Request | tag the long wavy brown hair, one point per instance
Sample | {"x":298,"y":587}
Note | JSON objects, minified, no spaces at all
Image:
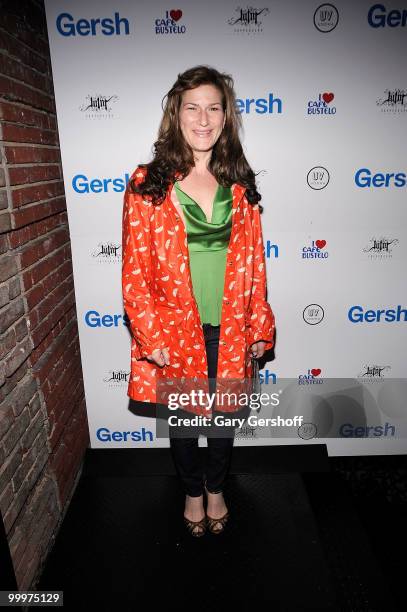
{"x":173,"y":154}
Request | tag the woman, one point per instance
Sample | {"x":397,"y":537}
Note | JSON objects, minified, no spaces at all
{"x":193,"y":275}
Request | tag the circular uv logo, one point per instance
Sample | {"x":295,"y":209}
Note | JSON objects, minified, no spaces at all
{"x":313,"y":314}
{"x":306,"y":431}
{"x":326,"y":18}
{"x":318,"y":177}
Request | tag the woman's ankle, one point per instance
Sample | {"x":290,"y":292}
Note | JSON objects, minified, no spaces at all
{"x":195,"y":495}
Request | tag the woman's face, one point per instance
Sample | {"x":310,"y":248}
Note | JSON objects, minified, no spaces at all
{"x":202,"y":117}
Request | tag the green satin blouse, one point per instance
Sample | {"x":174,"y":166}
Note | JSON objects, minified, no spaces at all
{"x":207,"y":245}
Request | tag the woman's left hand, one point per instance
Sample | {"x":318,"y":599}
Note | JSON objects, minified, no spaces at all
{"x":257,"y":349}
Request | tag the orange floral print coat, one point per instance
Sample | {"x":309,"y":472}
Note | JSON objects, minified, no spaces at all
{"x":159,"y":301}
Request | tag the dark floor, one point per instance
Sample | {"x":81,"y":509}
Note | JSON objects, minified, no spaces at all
{"x":299,"y":537}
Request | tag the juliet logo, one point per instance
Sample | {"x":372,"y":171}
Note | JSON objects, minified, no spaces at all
{"x":117,"y":378}
{"x":381,"y":247}
{"x":315,"y":250}
{"x":246,"y":432}
{"x":98,"y":106}
{"x":322,"y":105}
{"x":393,"y":101}
{"x":169,"y":24}
{"x":373,"y":372}
{"x":107,"y":252}
{"x":248,"y":20}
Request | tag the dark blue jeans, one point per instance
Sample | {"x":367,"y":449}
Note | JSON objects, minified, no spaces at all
{"x":185,"y":450}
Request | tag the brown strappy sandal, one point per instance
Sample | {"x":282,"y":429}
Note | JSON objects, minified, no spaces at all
{"x":213,"y":522}
{"x":196,"y":528}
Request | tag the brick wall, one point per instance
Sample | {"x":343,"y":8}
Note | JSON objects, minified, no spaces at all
{"x":43,"y":424}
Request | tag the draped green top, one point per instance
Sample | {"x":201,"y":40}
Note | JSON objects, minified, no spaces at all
{"x":207,"y":245}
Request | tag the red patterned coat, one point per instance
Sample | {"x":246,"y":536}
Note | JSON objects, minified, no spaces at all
{"x":158,"y":294}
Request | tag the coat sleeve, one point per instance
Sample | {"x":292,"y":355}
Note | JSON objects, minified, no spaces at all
{"x":137,"y":276}
{"x":260,"y":321}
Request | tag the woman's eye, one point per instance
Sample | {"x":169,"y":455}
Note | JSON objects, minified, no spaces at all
{"x":216,"y":108}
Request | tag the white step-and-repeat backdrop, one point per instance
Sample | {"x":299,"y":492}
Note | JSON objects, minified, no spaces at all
{"x":323,"y":93}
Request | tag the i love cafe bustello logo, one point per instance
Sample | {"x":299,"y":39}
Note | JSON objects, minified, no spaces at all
{"x":170,"y":23}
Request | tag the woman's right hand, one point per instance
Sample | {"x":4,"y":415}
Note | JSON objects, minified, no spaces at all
{"x":160,"y":357}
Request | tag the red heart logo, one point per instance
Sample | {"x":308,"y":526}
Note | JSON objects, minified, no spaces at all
{"x":316,"y":371}
{"x":327,"y":97}
{"x":176,"y":14}
{"x":320,"y":243}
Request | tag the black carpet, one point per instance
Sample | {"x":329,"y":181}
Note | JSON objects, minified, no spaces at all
{"x":296,"y":539}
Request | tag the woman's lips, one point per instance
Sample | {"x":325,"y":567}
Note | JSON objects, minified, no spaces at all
{"x":203,"y":134}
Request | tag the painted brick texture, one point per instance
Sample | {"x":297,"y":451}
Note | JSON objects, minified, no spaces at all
{"x":43,"y":422}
